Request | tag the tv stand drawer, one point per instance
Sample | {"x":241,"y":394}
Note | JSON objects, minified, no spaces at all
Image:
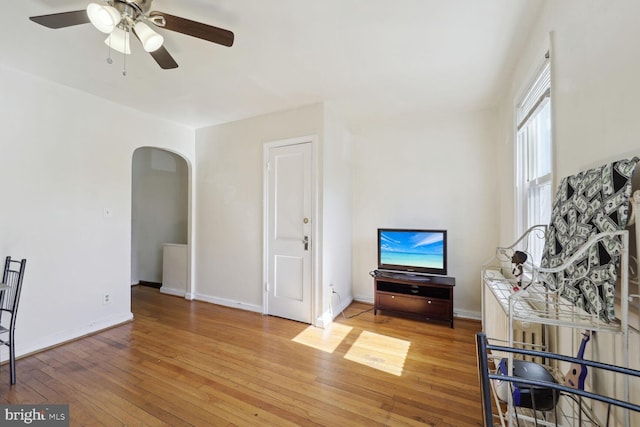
{"x":428,"y":307}
{"x":426,"y":297}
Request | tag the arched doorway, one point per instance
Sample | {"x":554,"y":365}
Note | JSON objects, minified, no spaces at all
{"x":160,"y":219}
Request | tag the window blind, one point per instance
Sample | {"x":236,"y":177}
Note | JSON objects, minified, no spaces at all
{"x":538,"y":91}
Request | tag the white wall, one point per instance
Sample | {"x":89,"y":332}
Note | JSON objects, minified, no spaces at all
{"x":428,"y":172}
{"x":595,"y":94}
{"x":594,"y":84}
{"x":159,"y":209}
{"x":229,"y":202}
{"x":66,"y":156}
{"x":230,"y":212}
{"x":596,"y":72}
{"x":336,"y":215}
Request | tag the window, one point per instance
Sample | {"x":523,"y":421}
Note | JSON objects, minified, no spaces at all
{"x":533,"y":159}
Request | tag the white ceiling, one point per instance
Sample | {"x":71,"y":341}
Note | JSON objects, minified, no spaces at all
{"x":370,"y":58}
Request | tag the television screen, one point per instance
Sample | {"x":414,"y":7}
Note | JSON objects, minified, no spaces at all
{"x":419,"y":251}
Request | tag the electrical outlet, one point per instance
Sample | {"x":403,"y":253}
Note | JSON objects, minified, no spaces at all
{"x":106,"y":298}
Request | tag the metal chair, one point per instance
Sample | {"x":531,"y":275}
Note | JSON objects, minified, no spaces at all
{"x":9,"y":297}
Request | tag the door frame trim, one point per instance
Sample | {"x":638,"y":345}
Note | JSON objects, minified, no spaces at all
{"x":315,"y":230}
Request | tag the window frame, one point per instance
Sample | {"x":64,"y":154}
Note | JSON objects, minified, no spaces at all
{"x":530,"y":105}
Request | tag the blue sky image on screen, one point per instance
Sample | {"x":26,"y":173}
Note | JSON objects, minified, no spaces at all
{"x":412,"y":248}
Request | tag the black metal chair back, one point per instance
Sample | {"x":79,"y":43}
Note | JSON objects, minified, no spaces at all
{"x":9,"y":297}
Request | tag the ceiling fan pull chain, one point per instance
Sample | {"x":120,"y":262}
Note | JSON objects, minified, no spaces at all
{"x":124,"y":55}
{"x":109,"y":59}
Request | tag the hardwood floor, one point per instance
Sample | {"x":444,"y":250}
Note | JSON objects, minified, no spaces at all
{"x":182,"y":363}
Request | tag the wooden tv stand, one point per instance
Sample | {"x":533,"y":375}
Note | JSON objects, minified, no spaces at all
{"x":427,"y":297}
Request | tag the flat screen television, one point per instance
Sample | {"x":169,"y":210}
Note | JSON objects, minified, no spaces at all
{"x":412,"y":251}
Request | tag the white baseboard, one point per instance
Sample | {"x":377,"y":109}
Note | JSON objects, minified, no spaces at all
{"x":323,"y":320}
{"x":366,"y":300}
{"x":342,"y":305}
{"x":326,"y":318}
{"x":47,"y":341}
{"x":172,"y":291}
{"x":228,"y":302}
{"x":467,"y":314}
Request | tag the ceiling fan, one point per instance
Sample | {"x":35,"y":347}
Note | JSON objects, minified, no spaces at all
{"x":120,"y":18}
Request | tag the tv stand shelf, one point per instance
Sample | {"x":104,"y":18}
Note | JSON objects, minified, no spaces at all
{"x":427,"y":297}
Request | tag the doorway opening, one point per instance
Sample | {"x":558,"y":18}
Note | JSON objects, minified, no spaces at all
{"x":160,"y":250}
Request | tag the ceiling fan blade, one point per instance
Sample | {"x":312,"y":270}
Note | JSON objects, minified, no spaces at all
{"x":195,"y":29}
{"x":164,"y":58}
{"x":62,"y":20}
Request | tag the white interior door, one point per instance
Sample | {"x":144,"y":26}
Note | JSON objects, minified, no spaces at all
{"x":289,"y":225}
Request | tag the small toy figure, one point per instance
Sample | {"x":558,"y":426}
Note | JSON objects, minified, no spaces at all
{"x":518,"y":259}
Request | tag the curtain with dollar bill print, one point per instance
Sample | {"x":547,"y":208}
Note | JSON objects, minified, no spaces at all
{"x":585,"y":204}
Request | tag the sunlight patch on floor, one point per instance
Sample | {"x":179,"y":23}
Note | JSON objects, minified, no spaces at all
{"x":379,"y":352}
{"x":327,"y":339}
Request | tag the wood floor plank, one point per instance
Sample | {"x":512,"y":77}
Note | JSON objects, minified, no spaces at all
{"x":189,"y":363}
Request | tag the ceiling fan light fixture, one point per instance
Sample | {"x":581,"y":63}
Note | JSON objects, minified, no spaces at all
{"x":104,"y":18}
{"x":151,"y":41}
{"x":119,"y":40}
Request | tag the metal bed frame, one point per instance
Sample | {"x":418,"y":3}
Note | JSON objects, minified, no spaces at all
{"x":536,"y":303}
{"x":487,"y":376}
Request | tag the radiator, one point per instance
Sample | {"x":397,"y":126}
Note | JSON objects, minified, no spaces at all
{"x":496,"y":325}
{"x":529,"y":336}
